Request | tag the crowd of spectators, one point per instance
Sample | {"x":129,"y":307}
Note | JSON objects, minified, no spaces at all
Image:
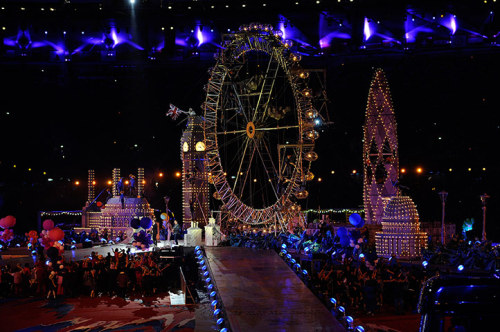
{"x":119,"y":273}
{"x":353,"y":274}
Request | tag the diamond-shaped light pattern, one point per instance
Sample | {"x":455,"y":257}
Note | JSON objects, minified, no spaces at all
{"x":380,"y":150}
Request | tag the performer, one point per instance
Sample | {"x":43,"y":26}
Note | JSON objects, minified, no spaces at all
{"x":156,"y":232}
{"x":119,"y":185}
{"x":132,"y":186}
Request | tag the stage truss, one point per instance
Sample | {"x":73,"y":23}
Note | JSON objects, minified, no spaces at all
{"x":259,"y":127}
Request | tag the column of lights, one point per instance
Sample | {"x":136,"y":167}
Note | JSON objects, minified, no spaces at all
{"x":91,"y":185}
{"x":116,"y":178}
{"x":140,"y":182}
{"x":379,"y":114}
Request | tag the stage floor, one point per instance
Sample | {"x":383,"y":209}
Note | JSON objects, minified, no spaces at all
{"x":261,"y":293}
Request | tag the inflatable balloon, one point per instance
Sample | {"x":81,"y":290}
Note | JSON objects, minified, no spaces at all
{"x":146,"y":222}
{"x":356,"y":220}
{"x":48,"y":224}
{"x":56,"y":234}
{"x":7,"y":222}
{"x":344,"y":240}
{"x":32,"y":236}
{"x":7,"y":235}
{"x":341,"y":231}
{"x":163,"y":216}
{"x":135,"y":223}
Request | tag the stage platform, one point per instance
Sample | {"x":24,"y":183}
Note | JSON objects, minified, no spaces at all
{"x":261,"y":293}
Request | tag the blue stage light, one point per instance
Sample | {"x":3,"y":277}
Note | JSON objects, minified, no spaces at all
{"x":288,"y":256}
{"x":220,"y":321}
{"x":293,"y":261}
{"x":283,"y":246}
{"x":33,"y":252}
{"x":214,"y":303}
{"x":213,"y":294}
{"x":341,"y":309}
{"x":223,"y":330}
{"x":208,"y":280}
{"x":202,"y":262}
{"x":425,"y":263}
{"x":297,"y":266}
{"x":333,"y":301}
{"x":204,"y":267}
{"x":210,"y":287}
{"x":349,"y":320}
{"x":197,"y":248}
{"x":205,"y":274}
{"x":216,"y":312}
{"x":360,"y":328}
{"x":460,"y":268}
{"x":361,"y":255}
{"x":304,"y":272}
{"x":283,"y":251}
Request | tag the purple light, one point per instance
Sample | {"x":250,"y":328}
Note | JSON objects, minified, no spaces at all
{"x":453,"y":24}
{"x":367,"y":31}
{"x":199,"y":35}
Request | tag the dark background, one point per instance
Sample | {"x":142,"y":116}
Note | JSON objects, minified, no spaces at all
{"x":108,"y":114}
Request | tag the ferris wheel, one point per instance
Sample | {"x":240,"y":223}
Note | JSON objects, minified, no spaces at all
{"x":259,"y":126}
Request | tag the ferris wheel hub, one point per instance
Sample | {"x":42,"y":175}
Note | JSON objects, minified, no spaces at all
{"x":250,"y":129}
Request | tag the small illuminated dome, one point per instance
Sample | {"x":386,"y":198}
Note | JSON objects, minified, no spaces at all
{"x":400,"y":236}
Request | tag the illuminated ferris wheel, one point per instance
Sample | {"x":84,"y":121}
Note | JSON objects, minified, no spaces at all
{"x":259,"y":127}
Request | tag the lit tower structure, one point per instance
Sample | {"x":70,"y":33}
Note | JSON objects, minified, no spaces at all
{"x":195,"y":187}
{"x":380,"y":150}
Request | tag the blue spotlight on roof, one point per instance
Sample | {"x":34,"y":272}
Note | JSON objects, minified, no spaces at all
{"x":304,"y":272}
{"x":283,"y":246}
{"x":283,"y":251}
{"x":361,"y":255}
{"x":220,"y":321}
{"x":205,"y":274}
{"x":210,"y":287}
{"x":197,"y":248}
{"x":333,"y":301}
{"x":202,"y":262}
{"x":349,"y":320}
{"x":216,"y":312}
{"x":33,"y":253}
{"x":293,"y":261}
{"x":297,"y":266}
{"x":341,"y":309}
{"x":425,"y":263}
{"x":204,"y":267}
{"x":208,"y":280}
{"x":213,"y":294}
{"x":288,"y":256}
{"x":460,"y":268}
{"x":360,"y":329}
{"x":214,"y":303}
{"x":223,"y":330}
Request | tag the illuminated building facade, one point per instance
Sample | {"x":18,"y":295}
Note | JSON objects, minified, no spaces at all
{"x":195,"y":187}
{"x":400,"y":236}
{"x":114,"y":215}
{"x":380,"y":150}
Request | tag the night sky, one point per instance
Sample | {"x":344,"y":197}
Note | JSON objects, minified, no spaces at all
{"x":60,"y":119}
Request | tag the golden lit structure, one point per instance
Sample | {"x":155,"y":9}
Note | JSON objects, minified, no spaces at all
{"x":114,"y":215}
{"x":400,"y":236}
{"x":259,"y":126}
{"x":380,"y":150}
{"x":195,"y":187}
